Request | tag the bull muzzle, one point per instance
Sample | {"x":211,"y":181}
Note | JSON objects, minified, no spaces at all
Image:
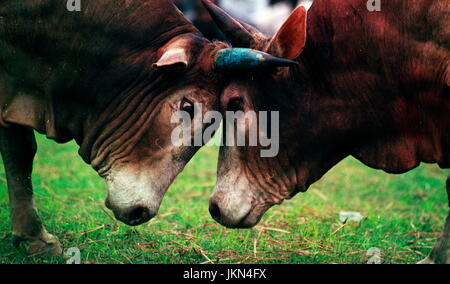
{"x":133,"y":216}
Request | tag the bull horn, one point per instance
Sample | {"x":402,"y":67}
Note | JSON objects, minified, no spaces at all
{"x":234,"y":31}
{"x":244,"y":58}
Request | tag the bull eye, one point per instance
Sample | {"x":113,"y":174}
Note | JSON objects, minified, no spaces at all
{"x":188,"y":106}
{"x":235,"y":104}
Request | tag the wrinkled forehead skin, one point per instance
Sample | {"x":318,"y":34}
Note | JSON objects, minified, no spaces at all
{"x":110,"y":77}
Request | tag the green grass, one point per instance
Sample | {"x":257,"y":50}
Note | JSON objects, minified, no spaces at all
{"x":404,"y":216}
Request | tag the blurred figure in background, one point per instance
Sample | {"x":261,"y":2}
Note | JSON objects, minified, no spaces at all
{"x":293,"y":3}
{"x":266,"y":15}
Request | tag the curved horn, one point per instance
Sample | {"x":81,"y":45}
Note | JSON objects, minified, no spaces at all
{"x":235,"y":32}
{"x":244,"y":58}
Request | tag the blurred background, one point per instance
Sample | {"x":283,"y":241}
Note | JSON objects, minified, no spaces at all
{"x":266,"y":15}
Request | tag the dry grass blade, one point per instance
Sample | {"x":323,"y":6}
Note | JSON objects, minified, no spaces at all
{"x":168,"y":214}
{"x":262,"y":228}
{"x":208,"y":260}
{"x":338,"y":229}
{"x":320,"y":195}
{"x":203,"y":252}
{"x":93,"y":230}
{"x":184,"y":235}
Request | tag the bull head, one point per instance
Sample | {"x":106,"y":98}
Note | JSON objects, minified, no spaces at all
{"x":245,"y":187}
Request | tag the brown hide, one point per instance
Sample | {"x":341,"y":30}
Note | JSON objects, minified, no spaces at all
{"x":397,"y":62}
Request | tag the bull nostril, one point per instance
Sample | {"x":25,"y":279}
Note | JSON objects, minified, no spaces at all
{"x":214,"y":210}
{"x":139,"y":216}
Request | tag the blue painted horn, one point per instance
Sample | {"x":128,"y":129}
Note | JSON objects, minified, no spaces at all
{"x":245,"y":58}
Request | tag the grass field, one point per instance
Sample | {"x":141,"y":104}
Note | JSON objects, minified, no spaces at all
{"x":403,"y":217}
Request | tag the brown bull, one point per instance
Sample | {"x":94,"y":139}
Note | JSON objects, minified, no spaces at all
{"x":109,"y":77}
{"x":373,"y":85}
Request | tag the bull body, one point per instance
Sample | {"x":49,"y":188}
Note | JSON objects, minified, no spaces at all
{"x":374,"y":85}
{"x":381,"y":81}
{"x":108,"y":77}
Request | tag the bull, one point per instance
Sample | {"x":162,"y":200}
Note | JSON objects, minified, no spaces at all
{"x":108,"y":77}
{"x":372,"y":85}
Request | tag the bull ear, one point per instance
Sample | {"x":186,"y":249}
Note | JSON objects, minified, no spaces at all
{"x":291,"y":38}
{"x":175,"y":56}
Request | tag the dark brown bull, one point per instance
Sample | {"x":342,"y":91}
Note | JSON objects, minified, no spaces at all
{"x":373,"y":85}
{"x":109,"y":77}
